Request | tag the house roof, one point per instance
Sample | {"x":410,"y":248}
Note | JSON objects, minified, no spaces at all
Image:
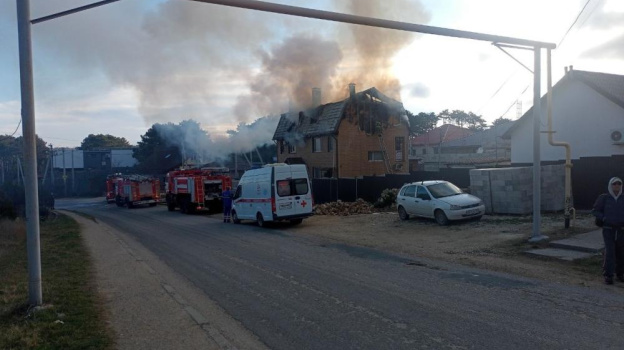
{"x":322,"y":120}
{"x":481,"y":138}
{"x":610,"y":86}
{"x":444,"y":133}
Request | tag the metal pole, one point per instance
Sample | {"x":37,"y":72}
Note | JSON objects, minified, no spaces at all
{"x":73,"y":175}
{"x":537,"y":168}
{"x":30,"y":152}
{"x":52,"y":167}
{"x":373,"y":22}
{"x":64,"y":175}
{"x":45,"y":172}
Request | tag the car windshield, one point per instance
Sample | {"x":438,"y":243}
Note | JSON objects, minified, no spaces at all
{"x":444,"y":189}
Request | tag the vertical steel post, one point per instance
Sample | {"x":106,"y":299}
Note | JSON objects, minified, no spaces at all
{"x":537,"y":167}
{"x":73,"y":175}
{"x":52,"y":168}
{"x":30,"y":152}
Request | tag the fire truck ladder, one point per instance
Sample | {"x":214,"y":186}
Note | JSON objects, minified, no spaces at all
{"x":384,"y":154}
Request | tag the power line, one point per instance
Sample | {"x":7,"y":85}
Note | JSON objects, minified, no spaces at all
{"x":18,"y":125}
{"x":573,"y":23}
{"x":558,"y":45}
{"x":497,"y":91}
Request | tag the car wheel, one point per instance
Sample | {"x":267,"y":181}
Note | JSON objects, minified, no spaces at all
{"x":296,"y":221}
{"x":440,"y":217}
{"x":235,"y":218}
{"x":403,"y":215}
{"x":260,"y":220}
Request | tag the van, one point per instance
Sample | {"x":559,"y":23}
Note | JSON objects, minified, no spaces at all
{"x":275,"y":192}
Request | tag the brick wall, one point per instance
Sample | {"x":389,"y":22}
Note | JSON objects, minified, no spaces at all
{"x":354,"y":145}
{"x":322,"y":159}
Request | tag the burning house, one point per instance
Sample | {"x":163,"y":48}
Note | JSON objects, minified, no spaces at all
{"x":365,"y":134}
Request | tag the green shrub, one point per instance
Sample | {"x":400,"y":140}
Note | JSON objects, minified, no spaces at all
{"x":387,"y":198}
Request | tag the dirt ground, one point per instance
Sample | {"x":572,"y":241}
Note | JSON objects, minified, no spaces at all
{"x":495,"y":242}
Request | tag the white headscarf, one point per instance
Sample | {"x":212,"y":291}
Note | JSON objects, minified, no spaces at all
{"x":614,"y":195}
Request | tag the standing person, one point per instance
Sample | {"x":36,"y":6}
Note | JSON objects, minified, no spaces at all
{"x":609,"y":208}
{"x":227,"y":204}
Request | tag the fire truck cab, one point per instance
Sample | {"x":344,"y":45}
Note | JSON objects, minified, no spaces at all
{"x":113,"y":187}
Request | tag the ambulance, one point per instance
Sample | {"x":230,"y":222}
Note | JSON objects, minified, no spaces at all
{"x":275,"y":192}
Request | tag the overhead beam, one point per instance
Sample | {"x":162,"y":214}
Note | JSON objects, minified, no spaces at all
{"x":375,"y":22}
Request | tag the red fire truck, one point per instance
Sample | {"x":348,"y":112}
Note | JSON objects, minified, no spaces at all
{"x":133,"y":190}
{"x":114,"y":183}
{"x":196,"y":189}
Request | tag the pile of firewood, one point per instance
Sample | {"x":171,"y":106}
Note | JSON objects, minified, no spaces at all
{"x":341,"y":208}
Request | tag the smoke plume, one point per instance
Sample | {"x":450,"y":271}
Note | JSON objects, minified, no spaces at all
{"x":223,"y":66}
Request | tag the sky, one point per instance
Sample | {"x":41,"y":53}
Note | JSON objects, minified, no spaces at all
{"x":120,"y":68}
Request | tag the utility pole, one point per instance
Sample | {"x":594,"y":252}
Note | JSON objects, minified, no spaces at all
{"x":30,"y":142}
{"x":73,"y":175}
{"x":52,"y":168}
{"x":64,"y":175}
{"x":30,"y":153}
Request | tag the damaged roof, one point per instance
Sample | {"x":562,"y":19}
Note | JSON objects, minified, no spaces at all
{"x":322,"y":120}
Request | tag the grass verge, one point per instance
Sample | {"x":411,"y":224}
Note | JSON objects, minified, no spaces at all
{"x":72,"y":316}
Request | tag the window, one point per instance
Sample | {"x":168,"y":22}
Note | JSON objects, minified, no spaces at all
{"x":292,"y":149}
{"x":398,"y":148}
{"x":281,"y":147}
{"x":409,"y":191}
{"x":300,"y":186}
{"x":238,"y":193}
{"x":422,"y":193}
{"x":292,"y":187}
{"x":424,"y":150}
{"x":283,"y":188}
{"x":316,"y":144}
{"x":375,"y":156}
{"x":318,"y":173}
{"x":330,"y":143}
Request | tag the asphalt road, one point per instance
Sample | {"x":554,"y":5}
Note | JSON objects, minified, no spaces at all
{"x":300,"y":292}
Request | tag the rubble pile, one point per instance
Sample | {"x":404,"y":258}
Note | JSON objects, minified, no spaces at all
{"x":341,"y":208}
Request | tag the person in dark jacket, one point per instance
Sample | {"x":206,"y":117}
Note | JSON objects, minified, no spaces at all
{"x":226,"y":196}
{"x":609,"y":208}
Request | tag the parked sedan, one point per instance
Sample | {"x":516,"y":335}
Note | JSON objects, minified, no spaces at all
{"x":439,"y":200}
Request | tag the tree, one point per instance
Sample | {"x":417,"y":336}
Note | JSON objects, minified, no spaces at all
{"x":12,"y":147}
{"x":501,"y":121}
{"x":153,"y":154}
{"x":422,"y":122}
{"x":463,"y":119}
{"x":103,"y":141}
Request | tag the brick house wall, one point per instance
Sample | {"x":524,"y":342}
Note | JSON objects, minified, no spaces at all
{"x":354,"y":146}
{"x":323,"y":159}
{"x":355,"y":125}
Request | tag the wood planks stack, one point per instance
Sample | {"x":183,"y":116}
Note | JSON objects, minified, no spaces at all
{"x":341,"y":208}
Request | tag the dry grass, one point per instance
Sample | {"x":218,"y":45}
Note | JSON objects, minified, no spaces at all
{"x":72,"y":316}
{"x":12,"y":234}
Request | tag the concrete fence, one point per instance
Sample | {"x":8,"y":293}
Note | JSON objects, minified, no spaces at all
{"x":510,"y":190}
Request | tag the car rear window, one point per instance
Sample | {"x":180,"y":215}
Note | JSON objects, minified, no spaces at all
{"x":292,"y":187}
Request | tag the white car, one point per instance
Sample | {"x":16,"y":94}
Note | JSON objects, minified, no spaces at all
{"x":439,"y":200}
